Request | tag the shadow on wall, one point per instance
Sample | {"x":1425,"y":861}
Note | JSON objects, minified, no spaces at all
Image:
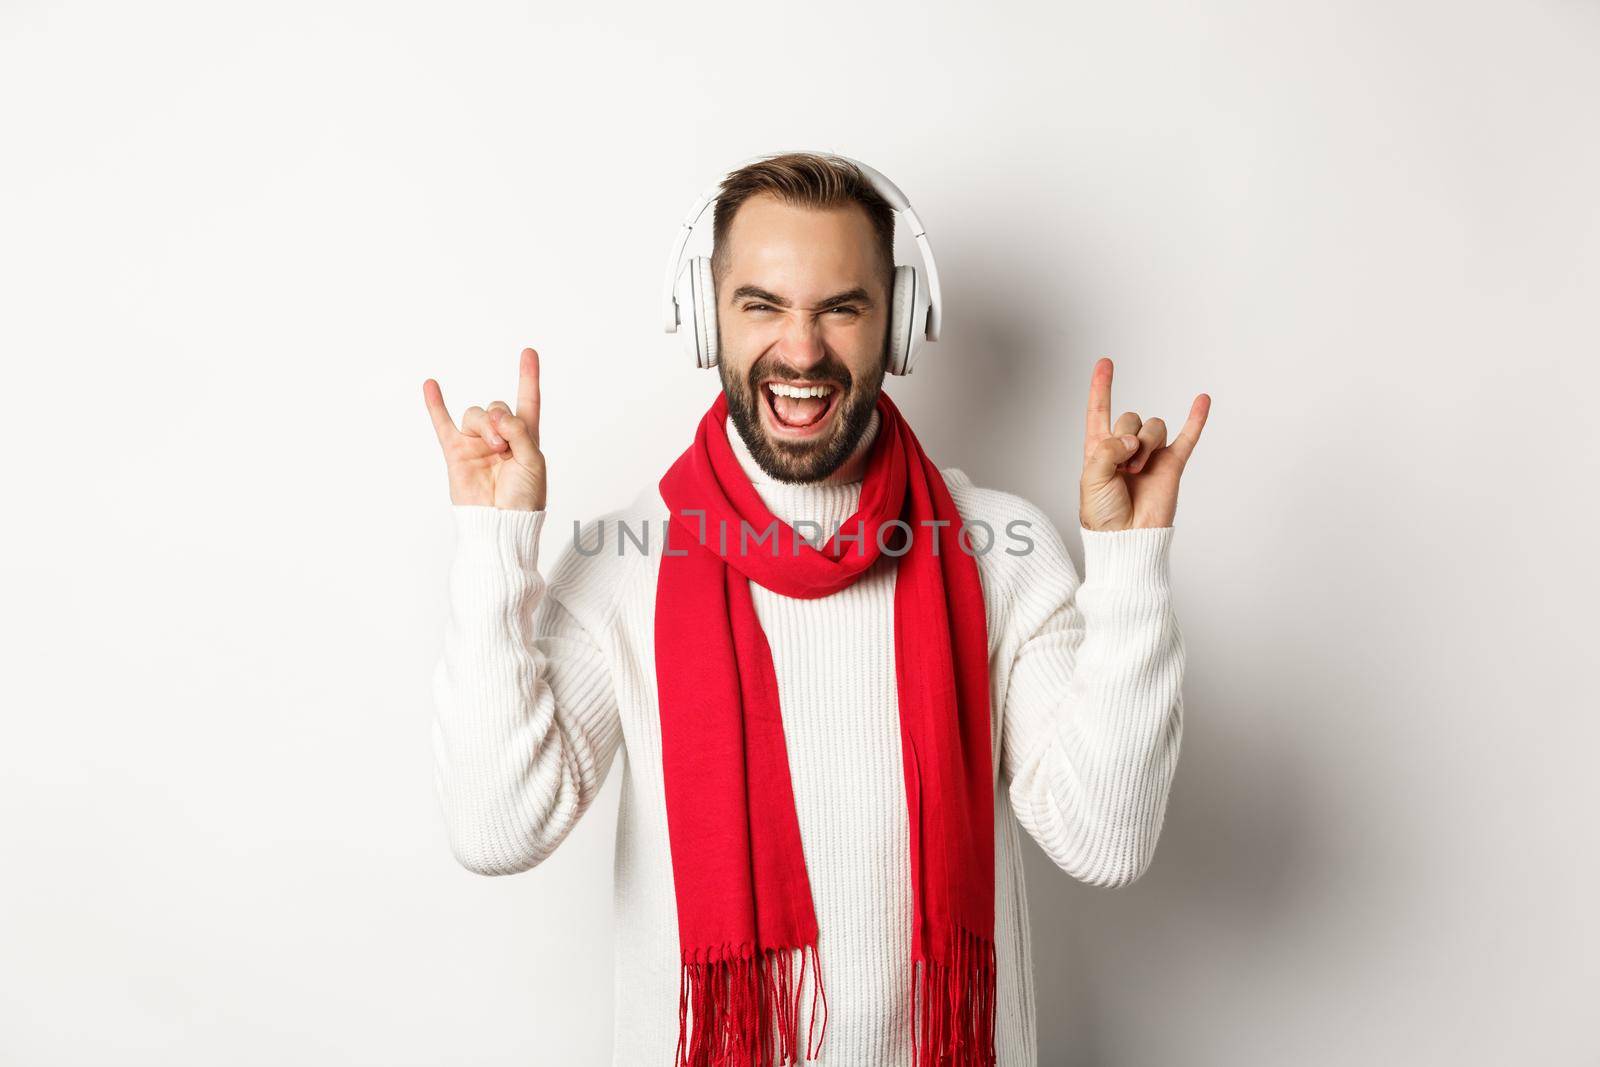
{"x":966,"y":385}
{"x":1121,"y":973}
{"x":991,"y":396}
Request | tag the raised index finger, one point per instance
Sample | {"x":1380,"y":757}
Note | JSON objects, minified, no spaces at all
{"x":1098,"y":424}
{"x":528,"y":391}
{"x":443,"y":425}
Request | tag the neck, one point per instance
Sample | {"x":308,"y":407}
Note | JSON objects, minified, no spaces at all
{"x":854,"y":468}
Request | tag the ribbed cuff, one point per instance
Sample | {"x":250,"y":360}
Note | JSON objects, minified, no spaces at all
{"x":500,"y":537}
{"x":1133,"y":560}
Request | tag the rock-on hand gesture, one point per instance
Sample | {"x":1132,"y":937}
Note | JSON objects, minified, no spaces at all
{"x":1130,"y":473}
{"x":494,"y":458}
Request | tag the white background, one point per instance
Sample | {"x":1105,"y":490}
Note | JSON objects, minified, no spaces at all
{"x":234,"y":242}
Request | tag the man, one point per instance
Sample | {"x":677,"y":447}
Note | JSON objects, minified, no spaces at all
{"x":826,"y":736}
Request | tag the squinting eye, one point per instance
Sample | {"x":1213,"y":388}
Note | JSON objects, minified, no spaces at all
{"x":764,"y":307}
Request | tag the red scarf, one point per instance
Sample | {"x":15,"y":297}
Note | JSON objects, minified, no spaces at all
{"x":744,"y":900}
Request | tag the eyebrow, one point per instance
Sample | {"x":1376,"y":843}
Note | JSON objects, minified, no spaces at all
{"x":857,"y":295}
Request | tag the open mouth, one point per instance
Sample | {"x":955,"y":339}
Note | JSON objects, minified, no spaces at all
{"x":800,"y":409}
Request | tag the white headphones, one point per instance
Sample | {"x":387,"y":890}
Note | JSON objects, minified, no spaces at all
{"x":913,"y":312}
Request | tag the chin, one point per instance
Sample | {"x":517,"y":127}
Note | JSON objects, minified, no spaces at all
{"x":809,"y":451}
{"x":800,"y":427}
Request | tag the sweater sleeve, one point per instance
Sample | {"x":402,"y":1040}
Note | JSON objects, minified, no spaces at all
{"x":525,"y":722}
{"x":1094,"y":707}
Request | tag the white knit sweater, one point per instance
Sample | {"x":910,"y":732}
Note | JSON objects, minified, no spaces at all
{"x":546,"y":674}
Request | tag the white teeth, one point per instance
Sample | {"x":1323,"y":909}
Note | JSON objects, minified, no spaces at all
{"x":799,"y":393}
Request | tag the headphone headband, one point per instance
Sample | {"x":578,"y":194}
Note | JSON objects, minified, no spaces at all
{"x":886,"y":189}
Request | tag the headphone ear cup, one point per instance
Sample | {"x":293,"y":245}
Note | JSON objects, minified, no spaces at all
{"x":696,"y":298}
{"x":687,"y":308}
{"x":902,"y":323}
{"x":705,"y":291}
{"x":920,"y":302}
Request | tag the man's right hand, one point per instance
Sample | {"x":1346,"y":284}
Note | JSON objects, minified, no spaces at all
{"x":494,"y":458}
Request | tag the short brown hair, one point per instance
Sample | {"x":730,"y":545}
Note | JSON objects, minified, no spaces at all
{"x":804,"y":179}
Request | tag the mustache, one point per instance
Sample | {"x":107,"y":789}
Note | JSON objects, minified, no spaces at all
{"x":830,"y":371}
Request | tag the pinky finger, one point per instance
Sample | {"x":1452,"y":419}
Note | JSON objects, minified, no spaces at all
{"x":1189,"y":436}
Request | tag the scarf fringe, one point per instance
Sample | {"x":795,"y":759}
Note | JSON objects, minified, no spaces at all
{"x":958,"y":1004}
{"x":741,"y":1002}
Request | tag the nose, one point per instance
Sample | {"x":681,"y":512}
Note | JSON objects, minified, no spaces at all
{"x":801,"y":344}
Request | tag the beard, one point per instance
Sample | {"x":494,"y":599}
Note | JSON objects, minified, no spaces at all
{"x":801,"y":461}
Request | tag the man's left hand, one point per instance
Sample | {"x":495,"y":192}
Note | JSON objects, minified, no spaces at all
{"x":1130,"y":472}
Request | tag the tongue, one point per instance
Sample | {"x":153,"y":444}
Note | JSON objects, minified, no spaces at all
{"x":799,"y":411}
